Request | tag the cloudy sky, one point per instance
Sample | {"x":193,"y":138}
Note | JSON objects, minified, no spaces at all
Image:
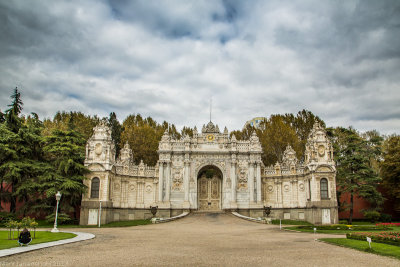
{"x":166,"y":59}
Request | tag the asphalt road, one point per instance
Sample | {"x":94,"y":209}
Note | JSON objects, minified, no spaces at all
{"x":198,"y":240}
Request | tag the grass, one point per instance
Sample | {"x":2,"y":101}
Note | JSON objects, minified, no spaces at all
{"x":41,"y":237}
{"x":377,"y":248}
{"x":291,"y":222}
{"x":45,"y":224}
{"x":394,"y":229}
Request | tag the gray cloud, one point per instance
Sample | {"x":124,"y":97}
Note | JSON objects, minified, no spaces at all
{"x":165,"y":59}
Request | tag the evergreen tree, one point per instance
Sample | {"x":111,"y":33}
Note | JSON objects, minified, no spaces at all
{"x":2,"y":117}
{"x":355,"y":175}
{"x":116,"y":130}
{"x":65,"y":151}
{"x":12,"y":114}
{"x":21,"y":160}
{"x":390,"y":169}
{"x":187,"y":131}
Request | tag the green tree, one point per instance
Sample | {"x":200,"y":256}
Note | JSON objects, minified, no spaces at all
{"x":302,"y":123}
{"x":116,"y":130}
{"x":13,"y":120}
{"x":187,"y":131}
{"x":143,"y":136}
{"x":275,"y":134}
{"x":355,"y":175}
{"x":65,"y":151}
{"x":2,"y":117}
{"x":390,"y":169}
{"x":245,"y":133}
{"x":78,"y":121}
{"x":21,"y":160}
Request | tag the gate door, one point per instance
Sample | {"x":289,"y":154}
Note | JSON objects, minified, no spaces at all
{"x":209,"y":192}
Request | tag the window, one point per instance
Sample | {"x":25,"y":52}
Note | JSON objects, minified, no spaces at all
{"x":324,"y":188}
{"x":94,"y":189}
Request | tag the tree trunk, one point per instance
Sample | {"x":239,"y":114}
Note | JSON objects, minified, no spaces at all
{"x":13,"y":200}
{"x":351,"y":208}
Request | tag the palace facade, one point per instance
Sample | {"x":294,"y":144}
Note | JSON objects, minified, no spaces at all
{"x":209,"y":172}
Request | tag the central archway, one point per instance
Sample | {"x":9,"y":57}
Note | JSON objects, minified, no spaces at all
{"x":209,"y":188}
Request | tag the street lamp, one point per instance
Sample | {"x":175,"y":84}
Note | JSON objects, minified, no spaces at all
{"x":58,"y":197}
{"x":100,"y":214}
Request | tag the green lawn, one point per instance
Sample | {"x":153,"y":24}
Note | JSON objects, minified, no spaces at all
{"x":41,"y":237}
{"x":291,"y":222}
{"x":44,"y":224}
{"x":393,"y":229}
{"x":377,"y":248}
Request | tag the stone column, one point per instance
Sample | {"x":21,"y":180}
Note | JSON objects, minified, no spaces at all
{"x":155,"y":182}
{"x":186,"y":181}
{"x":313,"y":188}
{"x":168,"y":182}
{"x":160,"y":181}
{"x":258,"y":180}
{"x":251,"y":182}
{"x":233,"y":181}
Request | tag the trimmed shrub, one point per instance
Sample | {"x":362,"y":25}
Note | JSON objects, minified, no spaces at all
{"x":61,"y":218}
{"x":386,"y":217}
{"x":372,"y":215}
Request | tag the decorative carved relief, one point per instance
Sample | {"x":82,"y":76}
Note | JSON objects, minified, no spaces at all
{"x":286,"y":188}
{"x":242,"y":179}
{"x":301,"y":187}
{"x":177,"y":180}
{"x":149,"y":189}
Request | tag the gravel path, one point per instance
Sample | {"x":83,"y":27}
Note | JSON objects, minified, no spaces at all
{"x":198,"y":240}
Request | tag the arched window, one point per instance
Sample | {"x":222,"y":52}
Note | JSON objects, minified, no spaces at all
{"x":324,"y":188}
{"x":94,"y":189}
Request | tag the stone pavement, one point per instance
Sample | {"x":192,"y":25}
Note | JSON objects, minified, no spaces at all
{"x":199,"y":240}
{"x":79,"y":237}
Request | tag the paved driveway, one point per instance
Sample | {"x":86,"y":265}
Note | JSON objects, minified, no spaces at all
{"x":198,"y":240}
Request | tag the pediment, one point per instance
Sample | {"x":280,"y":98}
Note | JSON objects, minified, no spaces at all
{"x":324,"y":169}
{"x":96,"y":167}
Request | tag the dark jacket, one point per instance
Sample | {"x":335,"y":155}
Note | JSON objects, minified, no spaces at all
{"x":25,"y":237}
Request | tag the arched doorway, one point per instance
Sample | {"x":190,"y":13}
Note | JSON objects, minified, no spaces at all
{"x":209,"y":188}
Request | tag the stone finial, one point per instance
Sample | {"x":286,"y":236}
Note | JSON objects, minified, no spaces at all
{"x":127,"y":146}
{"x":317,"y":125}
{"x":186,"y":138}
{"x":233,"y":138}
{"x":254,"y":137}
{"x":225,"y":130}
{"x":165,"y":137}
{"x":194,"y":130}
{"x":289,"y":156}
{"x":210,"y":128}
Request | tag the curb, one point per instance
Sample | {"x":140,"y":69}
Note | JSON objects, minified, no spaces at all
{"x":249,"y":218}
{"x":164,"y":220}
{"x":78,"y":238}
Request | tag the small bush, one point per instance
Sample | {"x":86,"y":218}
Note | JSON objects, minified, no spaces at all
{"x":372,"y":215}
{"x":386,"y":217}
{"x":343,"y":222}
{"x":347,"y":227}
{"x":5,"y":217}
{"x":62,"y":218}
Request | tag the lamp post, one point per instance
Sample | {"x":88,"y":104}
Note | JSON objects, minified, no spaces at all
{"x":58,"y":197}
{"x":100,"y":214}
